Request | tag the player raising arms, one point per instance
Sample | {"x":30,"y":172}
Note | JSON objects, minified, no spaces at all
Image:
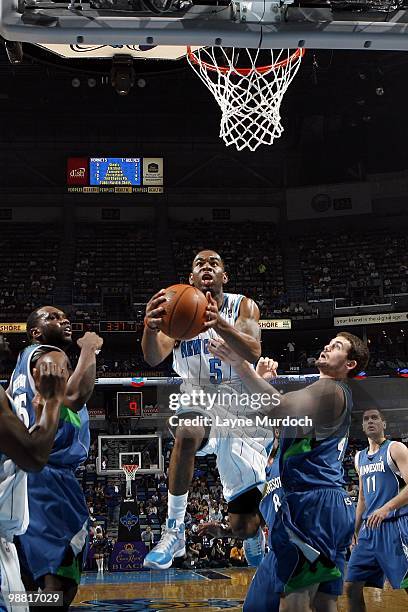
{"x":241,"y":464}
{"x":318,"y":517}
{"x":382,"y":514}
{"x":23,"y":451}
{"x":50,"y":551}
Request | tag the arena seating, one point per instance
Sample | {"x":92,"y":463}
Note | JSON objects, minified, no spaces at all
{"x":29,"y":267}
{"x":116,"y":261}
{"x":115,"y":267}
{"x":360,"y":266}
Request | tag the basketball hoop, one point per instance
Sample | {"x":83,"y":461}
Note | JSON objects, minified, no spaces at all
{"x":130,"y":470}
{"x":248,"y":85}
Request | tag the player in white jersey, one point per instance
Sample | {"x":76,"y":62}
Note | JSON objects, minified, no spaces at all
{"x":241,"y":456}
{"x":22,"y":451}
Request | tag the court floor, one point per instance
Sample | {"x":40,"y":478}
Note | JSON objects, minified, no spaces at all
{"x":156,"y":591}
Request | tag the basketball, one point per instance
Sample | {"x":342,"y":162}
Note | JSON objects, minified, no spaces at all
{"x":185,"y":312}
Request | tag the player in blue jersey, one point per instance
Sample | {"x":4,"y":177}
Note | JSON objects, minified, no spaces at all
{"x":381,"y":535}
{"x":263,"y":596}
{"x":23,"y":451}
{"x":241,"y":464}
{"x":50,"y":550}
{"x":318,"y":516}
{"x":264,"y":592}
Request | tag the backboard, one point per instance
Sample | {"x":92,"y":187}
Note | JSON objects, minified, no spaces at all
{"x":114,"y":451}
{"x":131,"y":458}
{"x":273,"y":24}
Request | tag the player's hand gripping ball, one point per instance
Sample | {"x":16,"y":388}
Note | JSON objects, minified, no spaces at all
{"x":184,"y":313}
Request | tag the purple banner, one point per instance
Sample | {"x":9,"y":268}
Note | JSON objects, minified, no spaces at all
{"x":127,"y":556}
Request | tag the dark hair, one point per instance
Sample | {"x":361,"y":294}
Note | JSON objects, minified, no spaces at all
{"x":32,"y":321}
{"x":358,"y":352}
{"x":380,"y":412}
{"x":212,"y":250}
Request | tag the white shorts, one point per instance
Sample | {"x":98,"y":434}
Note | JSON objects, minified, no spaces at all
{"x":11,"y":582}
{"x":241,"y":465}
{"x":242,"y":450}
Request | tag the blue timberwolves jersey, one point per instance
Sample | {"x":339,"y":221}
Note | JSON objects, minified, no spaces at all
{"x":315,"y":460}
{"x":381,"y":479}
{"x":273,"y":494}
{"x":72,"y":439}
{"x":193,"y":361}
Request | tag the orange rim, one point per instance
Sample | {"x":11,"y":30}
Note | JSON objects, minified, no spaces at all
{"x":130,"y":469}
{"x":244,"y":71}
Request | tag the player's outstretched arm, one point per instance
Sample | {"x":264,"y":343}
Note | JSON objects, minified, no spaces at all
{"x":322,"y":401}
{"x":156,"y":346}
{"x":244,"y":337}
{"x":81,"y":383}
{"x":399,"y":454}
{"x":30,"y":451}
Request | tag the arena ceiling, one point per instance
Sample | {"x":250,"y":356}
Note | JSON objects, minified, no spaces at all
{"x":344,"y":109}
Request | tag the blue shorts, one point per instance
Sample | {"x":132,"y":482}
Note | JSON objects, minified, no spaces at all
{"x":379,"y":554}
{"x":263,"y":594}
{"x":58,"y":525}
{"x":311,"y":537}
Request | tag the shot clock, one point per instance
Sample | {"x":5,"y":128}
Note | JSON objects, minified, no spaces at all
{"x":129,"y":405}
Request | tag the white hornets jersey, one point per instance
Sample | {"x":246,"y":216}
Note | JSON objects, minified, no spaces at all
{"x":13,"y":496}
{"x":192,"y":359}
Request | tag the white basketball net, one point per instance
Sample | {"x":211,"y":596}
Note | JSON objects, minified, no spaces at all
{"x":130,"y":473}
{"x":249,"y":94}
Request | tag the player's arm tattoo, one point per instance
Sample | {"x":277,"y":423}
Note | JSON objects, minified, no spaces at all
{"x":244,"y":338}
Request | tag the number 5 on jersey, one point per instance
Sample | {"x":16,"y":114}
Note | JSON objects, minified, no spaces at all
{"x":215,"y":370}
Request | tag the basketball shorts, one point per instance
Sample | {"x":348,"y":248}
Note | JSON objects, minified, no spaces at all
{"x":263,"y":593}
{"x":58,"y":528}
{"x":381,"y":553}
{"x":233,"y":435}
{"x":11,"y":583}
{"x":241,"y":460}
{"x":310,"y":538}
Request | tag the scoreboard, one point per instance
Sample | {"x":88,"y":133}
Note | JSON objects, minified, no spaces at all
{"x":114,"y":171}
{"x":129,"y":405}
{"x":115,"y":175}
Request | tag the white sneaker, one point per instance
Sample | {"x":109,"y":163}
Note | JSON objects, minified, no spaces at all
{"x":172,"y":544}
{"x":254,"y":548}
